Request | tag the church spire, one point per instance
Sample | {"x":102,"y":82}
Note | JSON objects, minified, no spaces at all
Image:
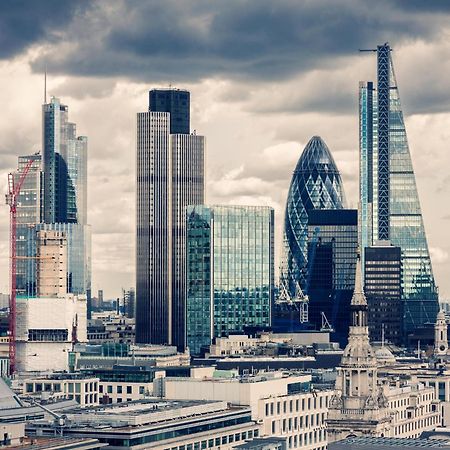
{"x":358,"y":305}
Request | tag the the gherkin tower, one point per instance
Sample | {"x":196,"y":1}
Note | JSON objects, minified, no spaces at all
{"x":316,"y":184}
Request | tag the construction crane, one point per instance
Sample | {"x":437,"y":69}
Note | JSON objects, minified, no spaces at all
{"x":11,"y":200}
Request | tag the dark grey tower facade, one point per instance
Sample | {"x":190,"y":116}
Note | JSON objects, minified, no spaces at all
{"x":177,"y":103}
{"x":170,"y":176}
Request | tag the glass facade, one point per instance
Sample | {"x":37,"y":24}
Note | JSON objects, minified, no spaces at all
{"x":170,"y":176}
{"x":28,"y":213}
{"x":390,"y":204}
{"x":64,"y":167}
{"x":78,"y":256}
{"x":316,"y":184}
{"x":230,"y":273}
{"x":383,"y":289}
{"x":177,"y":103}
{"x":332,"y":250}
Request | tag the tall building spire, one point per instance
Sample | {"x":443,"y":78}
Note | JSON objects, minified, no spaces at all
{"x":390,"y":207}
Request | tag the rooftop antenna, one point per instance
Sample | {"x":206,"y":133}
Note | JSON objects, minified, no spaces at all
{"x":45,"y":85}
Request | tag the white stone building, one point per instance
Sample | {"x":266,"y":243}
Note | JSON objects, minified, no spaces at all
{"x":284,"y":405}
{"x":46,"y":330}
{"x":366,"y":405}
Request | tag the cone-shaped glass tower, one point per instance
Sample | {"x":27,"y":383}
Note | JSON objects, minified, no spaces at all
{"x":390,"y":207}
{"x":316,"y":184}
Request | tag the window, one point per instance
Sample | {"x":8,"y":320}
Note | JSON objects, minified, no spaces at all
{"x":129,"y":389}
{"x":119,"y":389}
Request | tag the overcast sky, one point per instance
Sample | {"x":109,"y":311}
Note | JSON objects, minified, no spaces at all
{"x":264,"y":77}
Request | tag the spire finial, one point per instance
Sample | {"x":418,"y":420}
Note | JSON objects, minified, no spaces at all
{"x":45,"y":85}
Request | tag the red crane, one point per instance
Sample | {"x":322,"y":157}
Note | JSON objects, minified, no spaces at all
{"x":11,"y":201}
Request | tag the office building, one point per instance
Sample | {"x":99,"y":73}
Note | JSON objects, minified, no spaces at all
{"x":159,"y":424}
{"x":285,"y":405}
{"x":177,"y":103}
{"x":383,"y":289}
{"x":170,"y":176}
{"x":332,"y":248}
{"x":230,"y":271}
{"x":29,"y":211}
{"x":64,"y":161}
{"x":129,"y":303}
{"x":316,"y":184}
{"x":78,"y":245}
{"x":390,"y":207}
{"x":46,"y":330}
{"x":51,"y":258}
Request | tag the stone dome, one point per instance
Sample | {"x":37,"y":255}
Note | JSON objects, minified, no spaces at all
{"x":385,"y":356}
{"x":359,"y":353}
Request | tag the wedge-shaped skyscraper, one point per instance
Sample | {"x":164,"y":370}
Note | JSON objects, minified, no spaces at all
{"x":316,"y":184}
{"x":390,"y":208}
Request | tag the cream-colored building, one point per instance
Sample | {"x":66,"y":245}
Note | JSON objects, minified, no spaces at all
{"x":366,"y":404}
{"x":46,"y":330}
{"x":51,"y":263}
{"x":285,"y":405}
{"x":83,"y":389}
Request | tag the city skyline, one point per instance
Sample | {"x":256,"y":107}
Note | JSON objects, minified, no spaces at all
{"x":252,"y":153}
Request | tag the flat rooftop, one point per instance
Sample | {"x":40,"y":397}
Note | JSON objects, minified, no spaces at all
{"x":151,"y":412}
{"x":386,"y":443}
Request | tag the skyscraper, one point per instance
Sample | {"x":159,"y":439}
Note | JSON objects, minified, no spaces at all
{"x":177,"y":103}
{"x":53,"y":198}
{"x":332,"y":248}
{"x":316,"y":184}
{"x":229,"y":271}
{"x":29,"y":211}
{"x":64,"y":161}
{"x":170,"y":176}
{"x":383,"y":288}
{"x":390,"y":207}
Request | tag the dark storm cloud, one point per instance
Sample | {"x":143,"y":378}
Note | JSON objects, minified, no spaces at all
{"x":260,"y":39}
{"x":27,"y":22}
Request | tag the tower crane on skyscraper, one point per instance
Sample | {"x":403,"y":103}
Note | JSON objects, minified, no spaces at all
{"x":12,"y":200}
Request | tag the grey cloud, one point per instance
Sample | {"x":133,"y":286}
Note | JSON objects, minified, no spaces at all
{"x":27,"y":22}
{"x":190,"y":40}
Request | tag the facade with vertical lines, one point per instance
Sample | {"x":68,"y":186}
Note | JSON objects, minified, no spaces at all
{"x":390,"y":206}
{"x":170,"y":176}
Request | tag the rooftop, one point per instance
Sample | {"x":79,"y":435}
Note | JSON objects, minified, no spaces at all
{"x":386,"y":443}
{"x":47,"y":443}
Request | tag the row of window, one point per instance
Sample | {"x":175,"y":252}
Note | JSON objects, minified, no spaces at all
{"x":296,"y":405}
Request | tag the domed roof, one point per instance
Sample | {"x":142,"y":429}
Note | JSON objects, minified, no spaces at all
{"x":384,"y":355}
{"x":441,"y":315}
{"x":316,"y":156}
{"x":359,"y":353}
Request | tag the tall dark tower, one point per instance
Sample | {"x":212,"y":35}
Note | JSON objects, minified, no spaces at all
{"x":170,"y":176}
{"x":177,"y":103}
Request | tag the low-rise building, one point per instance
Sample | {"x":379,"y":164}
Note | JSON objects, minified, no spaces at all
{"x":286,"y":405}
{"x":47,"y":328}
{"x":159,"y":424}
{"x":79,"y":387}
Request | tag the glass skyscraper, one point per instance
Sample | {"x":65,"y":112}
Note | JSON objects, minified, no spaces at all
{"x":332,"y":252}
{"x":54,"y":197}
{"x":29,"y":210}
{"x":230,"y":271}
{"x":64,"y":164}
{"x":390,"y":207}
{"x":170,"y":176}
{"x":316,"y":184}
